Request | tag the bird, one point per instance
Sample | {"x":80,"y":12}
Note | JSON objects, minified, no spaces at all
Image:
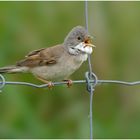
{"x":57,"y":62}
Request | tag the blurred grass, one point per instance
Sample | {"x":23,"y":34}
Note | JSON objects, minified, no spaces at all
{"x":61,"y":112}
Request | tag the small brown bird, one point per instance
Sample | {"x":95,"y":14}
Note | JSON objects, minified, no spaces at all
{"x":57,"y":62}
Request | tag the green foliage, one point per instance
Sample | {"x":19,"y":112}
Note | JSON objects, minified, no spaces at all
{"x":62,"y":112}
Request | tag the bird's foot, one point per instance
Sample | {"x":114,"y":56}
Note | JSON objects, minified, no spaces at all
{"x":69,"y":82}
{"x":50,"y":85}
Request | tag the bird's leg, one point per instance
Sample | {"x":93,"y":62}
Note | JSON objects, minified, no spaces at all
{"x":69,"y":82}
{"x":50,"y":84}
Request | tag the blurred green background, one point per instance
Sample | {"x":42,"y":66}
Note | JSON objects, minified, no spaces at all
{"x":62,"y":112}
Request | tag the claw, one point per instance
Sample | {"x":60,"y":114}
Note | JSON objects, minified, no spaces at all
{"x":50,"y":84}
{"x":69,"y":83}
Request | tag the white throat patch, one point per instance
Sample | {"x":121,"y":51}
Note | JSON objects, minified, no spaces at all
{"x":80,"y":48}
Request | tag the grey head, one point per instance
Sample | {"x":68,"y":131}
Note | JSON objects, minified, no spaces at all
{"x":76,"y":36}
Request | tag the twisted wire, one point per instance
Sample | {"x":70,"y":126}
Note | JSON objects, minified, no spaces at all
{"x":4,"y":83}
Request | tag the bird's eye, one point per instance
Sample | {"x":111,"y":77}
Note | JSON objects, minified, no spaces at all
{"x":72,"y":48}
{"x":79,"y":38}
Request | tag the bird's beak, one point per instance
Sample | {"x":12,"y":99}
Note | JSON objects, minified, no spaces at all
{"x":88,"y":42}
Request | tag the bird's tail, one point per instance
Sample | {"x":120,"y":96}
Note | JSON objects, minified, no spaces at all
{"x":12,"y":69}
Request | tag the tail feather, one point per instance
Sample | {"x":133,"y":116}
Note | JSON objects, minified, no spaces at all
{"x":12,"y":69}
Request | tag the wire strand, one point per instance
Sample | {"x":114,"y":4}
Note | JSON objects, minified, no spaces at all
{"x":86,"y":15}
{"x":89,"y":85}
{"x":99,"y":82}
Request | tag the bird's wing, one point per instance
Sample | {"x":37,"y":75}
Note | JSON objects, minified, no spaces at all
{"x":34,"y":52}
{"x":42,"y":57}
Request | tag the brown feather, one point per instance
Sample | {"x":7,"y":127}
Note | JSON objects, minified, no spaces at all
{"x":34,"y":52}
{"x":42,"y":57}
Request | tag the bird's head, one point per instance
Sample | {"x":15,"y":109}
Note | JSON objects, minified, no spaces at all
{"x":78,"y":41}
